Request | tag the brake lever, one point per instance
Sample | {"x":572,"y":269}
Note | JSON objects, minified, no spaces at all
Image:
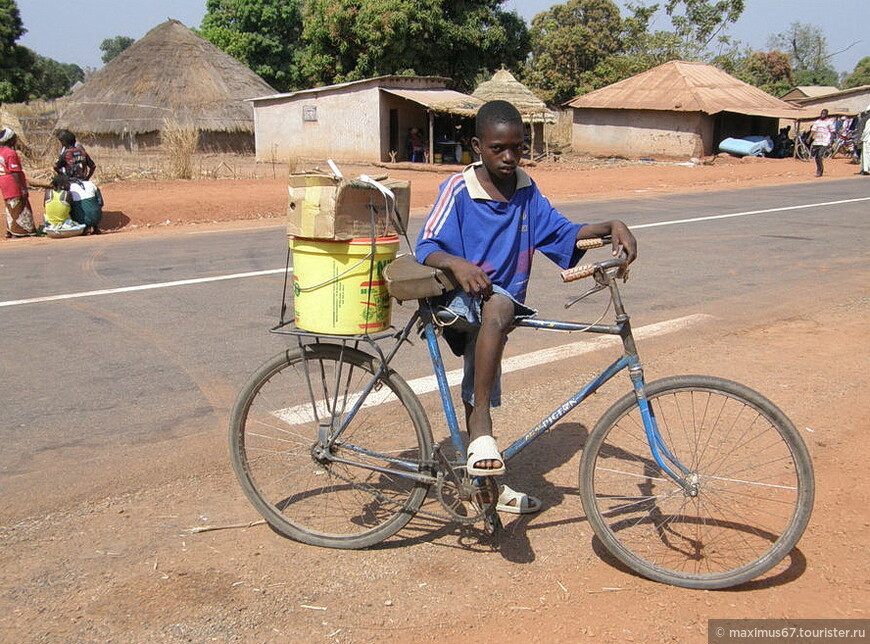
{"x":594,"y":289}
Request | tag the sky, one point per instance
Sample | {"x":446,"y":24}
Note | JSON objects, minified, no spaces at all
{"x":72,"y":32}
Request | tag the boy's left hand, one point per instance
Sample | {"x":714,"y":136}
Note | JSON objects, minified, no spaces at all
{"x":623,"y":241}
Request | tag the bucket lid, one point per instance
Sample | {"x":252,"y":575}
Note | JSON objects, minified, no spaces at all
{"x":357,"y":241}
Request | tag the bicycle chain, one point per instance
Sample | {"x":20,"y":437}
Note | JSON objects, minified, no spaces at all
{"x":384,"y":499}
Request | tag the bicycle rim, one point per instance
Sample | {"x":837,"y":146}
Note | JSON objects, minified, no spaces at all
{"x":274,"y":433}
{"x":754,"y":477}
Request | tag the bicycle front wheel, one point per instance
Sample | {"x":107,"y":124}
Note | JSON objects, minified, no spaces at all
{"x":751,"y":478}
{"x":354,"y":493}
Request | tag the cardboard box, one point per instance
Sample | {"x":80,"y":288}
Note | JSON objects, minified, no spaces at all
{"x":323,"y":206}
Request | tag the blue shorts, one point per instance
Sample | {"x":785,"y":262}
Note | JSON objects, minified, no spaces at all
{"x":463,"y":340}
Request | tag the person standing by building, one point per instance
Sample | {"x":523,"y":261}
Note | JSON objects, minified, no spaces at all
{"x":13,"y":188}
{"x":821,"y":133}
{"x":74,"y":161}
{"x":416,"y":146}
{"x":862,"y":136}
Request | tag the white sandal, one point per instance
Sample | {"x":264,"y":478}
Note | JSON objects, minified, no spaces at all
{"x":483,"y":448}
{"x":517,"y":502}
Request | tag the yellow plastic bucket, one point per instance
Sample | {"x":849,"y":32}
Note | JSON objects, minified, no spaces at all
{"x":339,"y":286}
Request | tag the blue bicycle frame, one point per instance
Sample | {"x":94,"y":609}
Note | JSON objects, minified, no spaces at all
{"x":629,"y":360}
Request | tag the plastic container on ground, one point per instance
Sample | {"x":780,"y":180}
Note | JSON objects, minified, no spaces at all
{"x":748,"y":146}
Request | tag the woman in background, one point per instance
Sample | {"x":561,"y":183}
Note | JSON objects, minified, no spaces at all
{"x":13,"y":188}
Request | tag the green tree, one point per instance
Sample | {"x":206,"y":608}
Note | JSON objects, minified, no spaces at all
{"x":697,"y":23}
{"x":24,"y":74}
{"x":52,"y":79}
{"x":586,"y":44}
{"x":807,"y":49}
{"x":111,"y":47}
{"x":353,"y":39}
{"x":263,"y":34}
{"x":12,"y":55}
{"x":699,"y":32}
{"x":770,"y":71}
{"x":860,"y":75}
{"x":569,"y":41}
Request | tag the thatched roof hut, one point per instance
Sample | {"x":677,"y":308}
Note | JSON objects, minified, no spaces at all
{"x":503,"y":86}
{"x":169,"y":76}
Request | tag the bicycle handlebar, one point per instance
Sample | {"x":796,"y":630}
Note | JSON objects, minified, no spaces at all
{"x":592,"y":242}
{"x":587,"y":270}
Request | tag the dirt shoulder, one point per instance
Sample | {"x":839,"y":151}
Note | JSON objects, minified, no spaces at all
{"x":149,"y":205}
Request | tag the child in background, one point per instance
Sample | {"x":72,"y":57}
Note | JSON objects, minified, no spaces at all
{"x":57,"y":210}
{"x":87,"y":205}
{"x":74,"y":161}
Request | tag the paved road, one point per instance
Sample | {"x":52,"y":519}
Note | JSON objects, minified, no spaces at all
{"x":92,"y":378}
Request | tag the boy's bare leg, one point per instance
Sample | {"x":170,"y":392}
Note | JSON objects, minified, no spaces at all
{"x":497,"y":317}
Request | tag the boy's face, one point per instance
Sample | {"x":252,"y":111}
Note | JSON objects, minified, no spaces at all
{"x":500,"y":147}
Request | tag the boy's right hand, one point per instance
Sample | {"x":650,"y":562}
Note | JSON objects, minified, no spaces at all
{"x":473,"y":279}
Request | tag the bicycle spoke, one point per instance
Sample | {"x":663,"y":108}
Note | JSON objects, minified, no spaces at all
{"x":745,"y":496}
{"x":286,"y":462}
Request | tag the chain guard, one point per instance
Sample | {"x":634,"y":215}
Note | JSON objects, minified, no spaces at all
{"x":463,"y":501}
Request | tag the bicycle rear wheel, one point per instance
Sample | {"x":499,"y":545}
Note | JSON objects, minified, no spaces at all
{"x":276,"y":449}
{"x":754,"y":484}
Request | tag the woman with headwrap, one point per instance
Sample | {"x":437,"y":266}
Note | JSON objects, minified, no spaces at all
{"x":13,"y":188}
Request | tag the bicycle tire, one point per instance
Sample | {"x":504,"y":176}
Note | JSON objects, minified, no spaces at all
{"x":803,"y":153}
{"x":755,"y":475}
{"x":274,"y":429}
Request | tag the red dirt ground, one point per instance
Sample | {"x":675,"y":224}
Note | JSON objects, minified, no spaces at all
{"x":129,"y":568}
{"x":132,"y":205}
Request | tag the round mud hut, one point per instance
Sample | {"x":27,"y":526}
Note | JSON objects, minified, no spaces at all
{"x":170,"y":79}
{"x":503,"y":86}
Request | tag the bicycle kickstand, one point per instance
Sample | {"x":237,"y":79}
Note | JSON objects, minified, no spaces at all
{"x":492,"y":524}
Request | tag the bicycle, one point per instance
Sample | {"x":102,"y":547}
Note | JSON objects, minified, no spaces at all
{"x":845,"y":144}
{"x":694,"y":481}
{"x":803,"y":151}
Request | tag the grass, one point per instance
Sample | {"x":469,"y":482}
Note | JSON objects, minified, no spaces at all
{"x":179,"y":143}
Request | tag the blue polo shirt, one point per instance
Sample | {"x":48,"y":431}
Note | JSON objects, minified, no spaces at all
{"x":499,"y":237}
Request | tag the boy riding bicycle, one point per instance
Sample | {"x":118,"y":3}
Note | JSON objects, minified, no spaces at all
{"x":484,"y":228}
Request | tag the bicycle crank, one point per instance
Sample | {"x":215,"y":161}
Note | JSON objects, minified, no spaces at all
{"x":465,"y":500}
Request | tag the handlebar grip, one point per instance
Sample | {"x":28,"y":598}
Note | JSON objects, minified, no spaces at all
{"x":578,"y":272}
{"x":592,"y":242}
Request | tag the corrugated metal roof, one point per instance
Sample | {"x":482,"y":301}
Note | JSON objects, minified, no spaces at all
{"x":418,"y":82}
{"x":686,"y":87}
{"x":439,"y":100}
{"x":817,"y":90}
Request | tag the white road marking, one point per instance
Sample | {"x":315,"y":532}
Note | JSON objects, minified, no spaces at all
{"x":203,"y":280}
{"x":748,"y":212}
{"x":546,"y":356}
{"x":304,"y":413}
{"x":141,"y":287}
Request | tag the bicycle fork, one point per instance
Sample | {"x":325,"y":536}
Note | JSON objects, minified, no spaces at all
{"x":669,"y":463}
